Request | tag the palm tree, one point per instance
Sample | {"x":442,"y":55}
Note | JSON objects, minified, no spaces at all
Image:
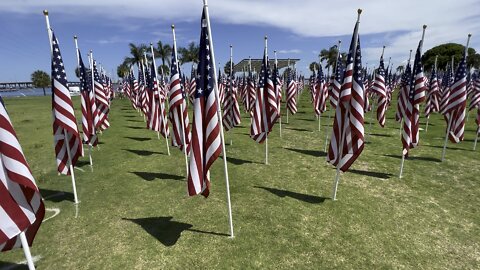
{"x":137,"y":54}
{"x":313,"y":66}
{"x":329,"y":55}
{"x":400,"y":69}
{"x":189,"y":54}
{"x":164,"y":52}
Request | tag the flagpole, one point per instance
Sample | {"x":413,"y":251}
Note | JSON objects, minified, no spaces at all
{"x":409,"y":58}
{"x":476,"y":138}
{"x":144,"y":83}
{"x":428,"y":117}
{"x":277,"y":89}
{"x":161,"y":104}
{"x":66,"y":140}
{"x":337,"y":176}
{"x":93,"y":87}
{"x":231,"y":83}
{"x":373,"y":104}
{"x":182,"y":120}
{"x":26,"y":251}
{"x":219,"y":113}
{"x":78,"y":66}
{"x":330,"y":111}
{"x":266,"y":130}
{"x":450,"y":116}
{"x":289,"y":71}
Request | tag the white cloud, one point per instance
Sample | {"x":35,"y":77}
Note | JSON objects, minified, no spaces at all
{"x":292,"y":51}
{"x":448,"y":21}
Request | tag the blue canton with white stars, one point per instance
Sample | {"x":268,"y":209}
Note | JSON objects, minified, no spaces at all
{"x":58,"y":69}
{"x":205,"y":70}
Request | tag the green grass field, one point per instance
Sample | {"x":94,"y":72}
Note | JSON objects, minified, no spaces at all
{"x":135,"y":214}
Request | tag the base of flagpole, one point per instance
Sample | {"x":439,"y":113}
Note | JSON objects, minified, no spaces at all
{"x":26,"y":251}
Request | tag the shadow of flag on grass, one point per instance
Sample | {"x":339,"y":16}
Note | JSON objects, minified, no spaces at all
{"x":294,"y":195}
{"x":166,"y":230}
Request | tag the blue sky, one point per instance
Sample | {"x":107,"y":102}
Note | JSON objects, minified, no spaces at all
{"x":296,"y":29}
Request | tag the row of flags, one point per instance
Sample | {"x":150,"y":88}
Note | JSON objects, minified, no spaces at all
{"x":348,"y":91}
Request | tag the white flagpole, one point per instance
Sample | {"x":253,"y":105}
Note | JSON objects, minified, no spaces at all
{"x":476,"y":138}
{"x":264,"y":113}
{"x":446,"y":136}
{"x":181,"y":104}
{"x":66,"y":139}
{"x":161,"y":105}
{"x":277,"y":93}
{"x":373,"y":106}
{"x":428,"y":117}
{"x":78,"y":66}
{"x":337,"y":176}
{"x":290,"y":71}
{"x":330,"y":111}
{"x":231,"y":82}
{"x":409,"y":58}
{"x":26,"y":251}
{"x":93,"y":85}
{"x":450,"y":116}
{"x":144,"y":82}
{"x":219,"y":113}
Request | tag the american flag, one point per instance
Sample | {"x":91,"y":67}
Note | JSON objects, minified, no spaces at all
{"x":334,"y":88}
{"x":379,"y":88}
{"x":135,"y":90}
{"x":206,"y":141}
{"x":291,"y":93}
{"x":432,"y":104}
{"x":178,"y":114}
{"x":154,"y":110}
{"x":250,"y":92}
{"x":21,"y":204}
{"x":416,"y":95}
{"x":277,"y":84}
{"x":265,"y":110}
{"x":347,"y":140}
{"x":457,"y":102}
{"x":89,"y":108}
{"x":231,"y":110}
{"x":320,"y":95}
{"x":446,"y":83}
{"x":475,"y":94}
{"x":221,"y":86}
{"x":64,"y":122}
{"x":142,"y":95}
{"x":101,"y":100}
{"x":192,"y":86}
{"x":403,"y":92}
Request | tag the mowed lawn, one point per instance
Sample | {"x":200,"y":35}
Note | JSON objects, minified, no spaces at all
{"x":135,"y":212}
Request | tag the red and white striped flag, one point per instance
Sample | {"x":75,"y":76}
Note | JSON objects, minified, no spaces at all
{"x":432,"y":104}
{"x":320,"y":95}
{"x":291,"y":93}
{"x":89,"y":108}
{"x":475,"y":92}
{"x":231,"y":109}
{"x":265,"y":110}
{"x":416,"y":95}
{"x":64,"y":122}
{"x":101,"y":99}
{"x":178,"y":113}
{"x":457,"y":102}
{"x":347,"y":139}
{"x":21,"y":205}
{"x":379,"y":88}
{"x":206,"y":141}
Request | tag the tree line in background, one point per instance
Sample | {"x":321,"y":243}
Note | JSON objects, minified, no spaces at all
{"x":445,"y":53}
{"x":161,"y":51}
